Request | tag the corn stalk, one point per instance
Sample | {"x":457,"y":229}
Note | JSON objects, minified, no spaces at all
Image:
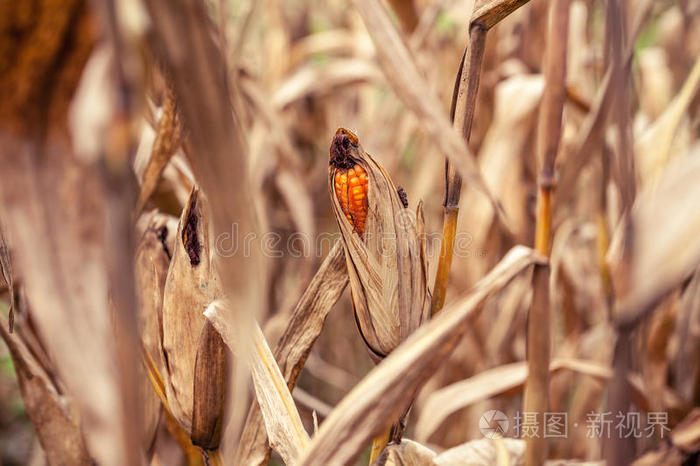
{"x":548,"y":135}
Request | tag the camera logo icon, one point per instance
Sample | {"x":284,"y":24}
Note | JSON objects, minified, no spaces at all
{"x":493,"y":424}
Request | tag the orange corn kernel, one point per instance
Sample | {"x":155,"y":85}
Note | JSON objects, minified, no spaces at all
{"x":351,"y":186}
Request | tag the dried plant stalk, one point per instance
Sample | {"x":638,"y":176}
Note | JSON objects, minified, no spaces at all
{"x":55,"y":207}
{"x":462,"y":114}
{"x":536,"y":399}
{"x":489,"y":13}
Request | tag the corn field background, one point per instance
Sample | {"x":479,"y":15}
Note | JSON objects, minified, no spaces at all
{"x":181,"y":286}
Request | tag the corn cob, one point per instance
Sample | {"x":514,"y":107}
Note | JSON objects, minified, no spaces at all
{"x":351,"y":182}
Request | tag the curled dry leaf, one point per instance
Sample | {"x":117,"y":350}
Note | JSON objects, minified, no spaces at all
{"x":52,"y":415}
{"x":384,"y":253}
{"x":405,"y":79}
{"x":192,"y":283}
{"x":167,"y":140}
{"x":385,"y":392}
{"x":6,"y":272}
{"x":282,"y":422}
{"x":294,"y":345}
{"x":684,"y":444}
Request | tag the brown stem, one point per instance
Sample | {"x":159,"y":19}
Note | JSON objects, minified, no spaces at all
{"x":462,"y":114}
{"x":536,"y":397}
{"x":491,"y":13}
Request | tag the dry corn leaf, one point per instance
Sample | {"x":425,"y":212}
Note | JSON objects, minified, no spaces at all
{"x":56,"y":225}
{"x":384,"y":253}
{"x":303,"y":328}
{"x":192,"y":283}
{"x":663,"y":224}
{"x":385,"y":392}
{"x":683,"y":446}
{"x":500,"y":159}
{"x":210,"y":389}
{"x":402,"y":75}
{"x":217,"y":149}
{"x":443,"y":402}
{"x":6,"y":271}
{"x":653,"y":147}
{"x":167,"y":140}
{"x":686,"y":368}
{"x":282,"y":422}
{"x":331,"y":41}
{"x":52,"y":415}
{"x":310,"y":79}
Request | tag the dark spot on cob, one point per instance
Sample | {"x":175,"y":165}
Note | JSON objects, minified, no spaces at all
{"x":403,"y":196}
{"x":189,"y":235}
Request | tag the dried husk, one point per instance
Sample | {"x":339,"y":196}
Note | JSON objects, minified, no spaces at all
{"x":407,"y":452}
{"x":150,"y":271}
{"x":387,"y":267}
{"x":192,"y":284}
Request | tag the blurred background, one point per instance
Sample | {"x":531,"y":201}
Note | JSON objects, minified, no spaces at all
{"x":306,"y":68}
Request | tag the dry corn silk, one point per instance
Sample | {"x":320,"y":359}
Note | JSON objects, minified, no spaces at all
{"x":384,"y":246}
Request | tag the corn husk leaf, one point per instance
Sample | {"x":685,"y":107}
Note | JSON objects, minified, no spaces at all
{"x":191,"y":285}
{"x":407,"y":452}
{"x":387,"y":267}
{"x":151,"y":269}
{"x":209,"y":386}
{"x":484,"y":452}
